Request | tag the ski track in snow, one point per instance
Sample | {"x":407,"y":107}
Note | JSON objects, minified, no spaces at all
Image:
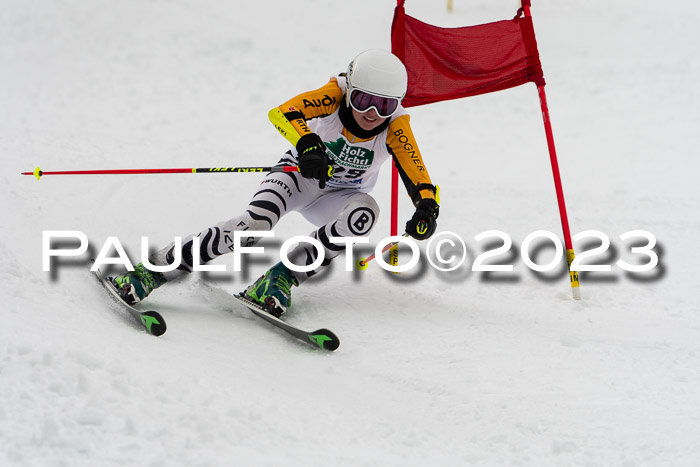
{"x":458,"y":368}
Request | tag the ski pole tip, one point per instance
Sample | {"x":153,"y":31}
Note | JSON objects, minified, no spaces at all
{"x":362,"y":264}
{"x":37,"y":173}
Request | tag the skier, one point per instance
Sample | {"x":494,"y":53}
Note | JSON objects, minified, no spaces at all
{"x":354,"y":124}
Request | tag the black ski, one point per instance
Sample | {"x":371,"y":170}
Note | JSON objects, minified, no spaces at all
{"x":322,"y":338}
{"x":152,"y":321}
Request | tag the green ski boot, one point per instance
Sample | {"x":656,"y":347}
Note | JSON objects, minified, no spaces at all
{"x":273,"y":290}
{"x":134,"y":286}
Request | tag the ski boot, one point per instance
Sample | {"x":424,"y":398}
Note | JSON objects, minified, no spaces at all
{"x":134,"y":286}
{"x":273,"y":290}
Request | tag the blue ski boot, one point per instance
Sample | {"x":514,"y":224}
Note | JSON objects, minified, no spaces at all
{"x":273,"y":290}
{"x":134,"y":286}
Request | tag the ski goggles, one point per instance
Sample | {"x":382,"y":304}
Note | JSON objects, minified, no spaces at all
{"x":363,"y":101}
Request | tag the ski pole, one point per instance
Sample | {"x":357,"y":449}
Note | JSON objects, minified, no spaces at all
{"x":363,"y":263}
{"x":38,"y":173}
{"x":276,"y":116}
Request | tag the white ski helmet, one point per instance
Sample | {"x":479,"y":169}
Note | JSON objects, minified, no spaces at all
{"x":377,"y":72}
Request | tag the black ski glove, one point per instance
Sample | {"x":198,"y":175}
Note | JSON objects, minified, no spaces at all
{"x":424,"y":221}
{"x":313,"y":161}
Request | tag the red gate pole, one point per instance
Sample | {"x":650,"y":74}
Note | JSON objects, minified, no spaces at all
{"x":394,"y":250}
{"x":573,"y":275}
{"x":393,"y":228}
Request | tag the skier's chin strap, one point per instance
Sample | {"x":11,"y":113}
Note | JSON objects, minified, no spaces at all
{"x":353,"y":127}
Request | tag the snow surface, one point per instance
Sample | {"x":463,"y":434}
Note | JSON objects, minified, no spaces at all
{"x":460,"y":368}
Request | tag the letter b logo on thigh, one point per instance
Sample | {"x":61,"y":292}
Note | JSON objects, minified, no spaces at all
{"x":361,"y":221}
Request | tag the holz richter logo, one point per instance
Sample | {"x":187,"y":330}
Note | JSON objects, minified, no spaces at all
{"x":351,"y":156}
